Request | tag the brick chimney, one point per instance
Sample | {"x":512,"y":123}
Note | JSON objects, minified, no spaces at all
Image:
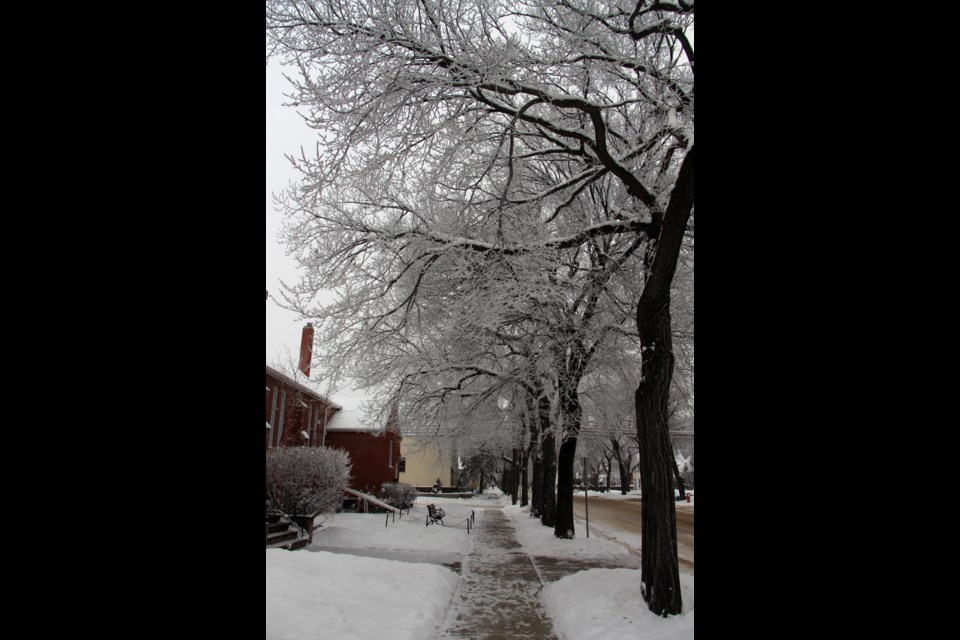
{"x":306,"y":349}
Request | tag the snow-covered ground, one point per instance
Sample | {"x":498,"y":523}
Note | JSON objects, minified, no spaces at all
{"x":605,"y":604}
{"x":600,"y":604}
{"x":350,"y":583}
{"x":327,"y":595}
{"x":539,"y":540}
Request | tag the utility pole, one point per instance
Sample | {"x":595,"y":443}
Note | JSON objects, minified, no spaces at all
{"x":586,"y":508}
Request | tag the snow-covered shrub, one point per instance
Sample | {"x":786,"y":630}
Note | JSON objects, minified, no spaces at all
{"x":398,"y":494}
{"x":306,"y":480}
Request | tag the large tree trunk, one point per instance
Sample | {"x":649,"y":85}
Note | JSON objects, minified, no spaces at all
{"x":548,"y":478}
{"x":536,"y":494}
{"x":660,"y":572}
{"x":514,"y":476}
{"x":506,"y":480}
{"x":523,"y":477}
{"x":563,"y":528}
{"x":624,"y":473}
{"x":533,"y":419}
{"x":524,"y":453}
{"x":570,"y":417}
{"x":548,"y":466}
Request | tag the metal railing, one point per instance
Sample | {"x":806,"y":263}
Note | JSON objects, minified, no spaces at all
{"x":367,"y":498}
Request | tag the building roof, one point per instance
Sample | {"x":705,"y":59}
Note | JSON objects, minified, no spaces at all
{"x":301,"y":386}
{"x":353,"y":416}
{"x":352,"y":420}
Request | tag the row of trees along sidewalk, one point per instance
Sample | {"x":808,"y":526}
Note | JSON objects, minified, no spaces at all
{"x":500,"y":194}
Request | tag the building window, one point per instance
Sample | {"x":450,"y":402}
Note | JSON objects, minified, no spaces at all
{"x":390,"y":459}
{"x":403,"y":465}
{"x":273,"y":416}
{"x":310,"y":425}
{"x":283,"y":411}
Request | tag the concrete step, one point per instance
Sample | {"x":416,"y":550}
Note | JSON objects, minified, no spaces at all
{"x":298,"y":544}
{"x":274,"y":527}
{"x":281,"y":537}
{"x":290,"y":545}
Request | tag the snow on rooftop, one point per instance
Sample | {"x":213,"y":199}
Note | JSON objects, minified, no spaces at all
{"x":352,"y":420}
{"x":354,"y":415}
{"x":304,"y":384}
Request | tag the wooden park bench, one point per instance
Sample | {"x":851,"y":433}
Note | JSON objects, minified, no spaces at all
{"x":434,"y":515}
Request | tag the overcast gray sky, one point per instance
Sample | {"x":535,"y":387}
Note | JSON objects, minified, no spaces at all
{"x":286,"y":133}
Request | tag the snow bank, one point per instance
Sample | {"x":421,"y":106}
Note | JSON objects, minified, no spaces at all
{"x":605,"y":603}
{"x":325,"y":595}
{"x":540,"y":540}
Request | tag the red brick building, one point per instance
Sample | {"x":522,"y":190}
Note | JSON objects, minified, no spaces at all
{"x":296,"y":414}
{"x":374,"y":451}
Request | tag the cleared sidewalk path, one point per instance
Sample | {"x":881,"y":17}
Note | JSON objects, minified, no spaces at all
{"x":498,"y":593}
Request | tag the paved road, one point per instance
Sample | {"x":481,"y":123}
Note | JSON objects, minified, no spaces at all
{"x":624,"y":515}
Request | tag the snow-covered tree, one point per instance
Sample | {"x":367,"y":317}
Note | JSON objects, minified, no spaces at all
{"x":453,"y":136}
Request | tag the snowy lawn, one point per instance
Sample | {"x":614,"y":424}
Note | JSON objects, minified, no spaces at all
{"x":539,"y":540}
{"x":313,"y":593}
{"x":316,"y":594}
{"x":600,"y":604}
{"x":409,"y":533}
{"x":326,"y":595}
{"x":603,"y":604}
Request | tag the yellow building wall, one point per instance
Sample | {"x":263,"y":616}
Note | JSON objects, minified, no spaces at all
{"x":427,"y":461}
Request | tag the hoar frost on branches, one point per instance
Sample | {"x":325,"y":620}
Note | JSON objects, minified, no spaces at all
{"x":306,"y":481}
{"x":500,"y":187}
